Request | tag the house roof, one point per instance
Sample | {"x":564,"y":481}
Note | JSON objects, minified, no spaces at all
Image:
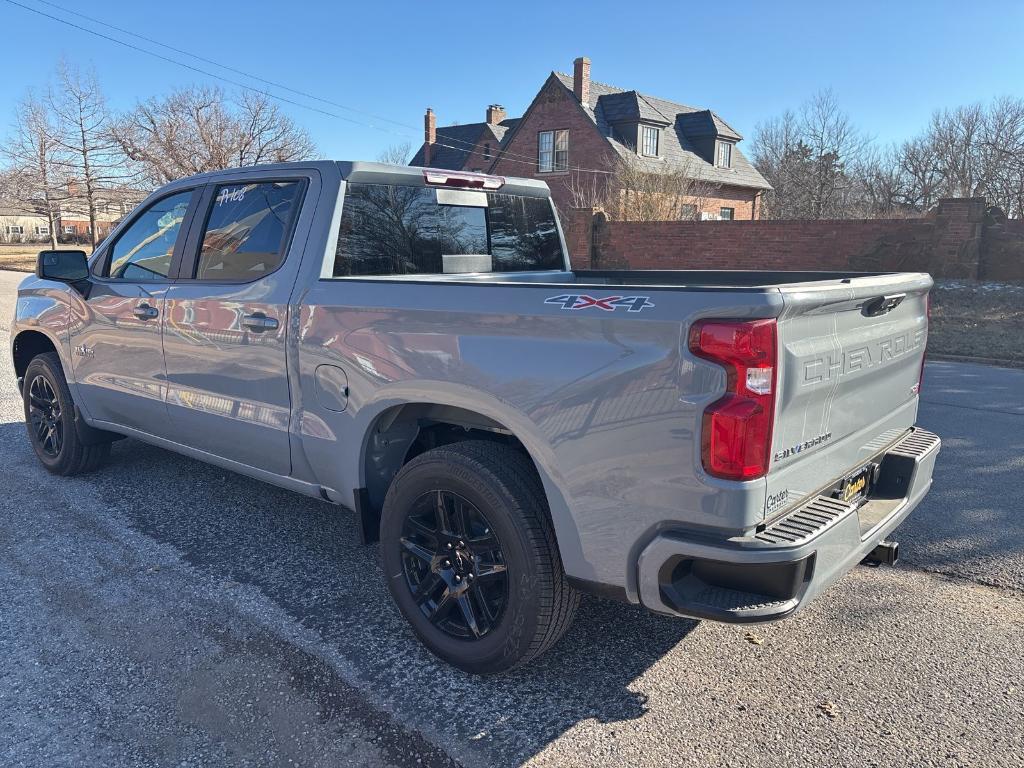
{"x":456,"y":142}
{"x":609,"y":105}
{"x":10,"y":208}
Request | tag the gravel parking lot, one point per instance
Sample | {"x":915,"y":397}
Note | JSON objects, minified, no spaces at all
{"x":164,"y":612}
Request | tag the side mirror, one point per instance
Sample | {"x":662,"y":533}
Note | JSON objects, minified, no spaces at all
{"x":66,"y":266}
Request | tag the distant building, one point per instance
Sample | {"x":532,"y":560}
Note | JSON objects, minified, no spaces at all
{"x":112,"y":205}
{"x":467,"y":147}
{"x":23,"y":224}
{"x":575,"y":126}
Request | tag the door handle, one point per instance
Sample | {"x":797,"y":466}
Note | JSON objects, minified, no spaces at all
{"x":145,"y":312}
{"x":259,"y":322}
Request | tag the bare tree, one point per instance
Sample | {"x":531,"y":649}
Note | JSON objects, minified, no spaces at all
{"x":92,"y":158}
{"x":36,"y":179}
{"x":396,"y":154}
{"x":194,"y":130}
{"x":633,"y":191}
{"x":956,"y":135}
{"x":811,"y":158}
{"x":920,"y":168}
{"x":1002,"y":154}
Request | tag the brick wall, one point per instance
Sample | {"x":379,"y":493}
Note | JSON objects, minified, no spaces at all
{"x":1002,"y":255}
{"x":952,"y":242}
{"x":483,"y":153}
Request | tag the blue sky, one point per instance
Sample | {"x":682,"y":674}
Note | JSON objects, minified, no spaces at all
{"x":889,"y":63}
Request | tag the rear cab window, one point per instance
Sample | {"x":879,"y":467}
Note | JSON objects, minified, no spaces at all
{"x":391,"y":229}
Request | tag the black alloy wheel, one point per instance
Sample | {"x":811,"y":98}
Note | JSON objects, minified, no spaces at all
{"x":470,"y":557}
{"x":45,"y":416}
{"x":52,"y":423}
{"x":453,"y":565}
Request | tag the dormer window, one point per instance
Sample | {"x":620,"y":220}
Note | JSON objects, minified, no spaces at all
{"x":649,"y":140}
{"x":725,"y":154}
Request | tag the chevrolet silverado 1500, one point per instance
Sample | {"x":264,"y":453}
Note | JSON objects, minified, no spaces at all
{"x":414,"y":345}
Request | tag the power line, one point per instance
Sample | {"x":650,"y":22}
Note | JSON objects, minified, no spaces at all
{"x":229,"y":68}
{"x":530,"y":162}
{"x":467,"y":145}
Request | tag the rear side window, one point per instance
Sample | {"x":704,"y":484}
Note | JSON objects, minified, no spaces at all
{"x":246,"y":231}
{"x":400,"y":230}
{"x":145,"y":249}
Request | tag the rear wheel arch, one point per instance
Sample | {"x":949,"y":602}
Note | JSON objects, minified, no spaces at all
{"x":401,"y":432}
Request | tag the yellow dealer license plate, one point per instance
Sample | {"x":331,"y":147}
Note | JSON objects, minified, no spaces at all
{"x":857,"y":486}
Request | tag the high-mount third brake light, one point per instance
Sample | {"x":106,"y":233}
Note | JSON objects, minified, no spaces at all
{"x":736,"y":435}
{"x":442,"y":178}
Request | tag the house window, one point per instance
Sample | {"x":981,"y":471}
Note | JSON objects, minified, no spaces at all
{"x":724,"y":154}
{"x":726,"y":214}
{"x":42,"y":229}
{"x":15,"y":229}
{"x":553,"y":151}
{"x":69,"y":229}
{"x":487,"y":151}
{"x":649,"y":143}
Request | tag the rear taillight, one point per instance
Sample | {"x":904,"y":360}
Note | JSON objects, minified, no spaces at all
{"x":736,"y":437}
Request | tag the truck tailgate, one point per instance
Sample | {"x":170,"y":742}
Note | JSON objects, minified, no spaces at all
{"x":849,"y":359}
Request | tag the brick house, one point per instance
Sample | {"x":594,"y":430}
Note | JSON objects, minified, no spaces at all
{"x":575,"y":129}
{"x":112,"y":205}
{"x":469,"y":147}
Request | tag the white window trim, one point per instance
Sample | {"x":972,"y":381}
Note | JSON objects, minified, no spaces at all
{"x":718,"y":154}
{"x":554,"y":151}
{"x":654,"y":131}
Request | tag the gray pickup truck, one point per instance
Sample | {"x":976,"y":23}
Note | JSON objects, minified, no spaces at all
{"x":413,"y":344}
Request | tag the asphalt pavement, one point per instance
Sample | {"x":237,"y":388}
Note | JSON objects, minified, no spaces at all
{"x":165,"y":612}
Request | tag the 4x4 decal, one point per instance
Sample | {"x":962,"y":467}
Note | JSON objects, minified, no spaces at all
{"x":607,"y":304}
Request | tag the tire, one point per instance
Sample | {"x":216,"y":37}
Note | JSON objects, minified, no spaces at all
{"x":495,"y":492}
{"x":51,"y":429}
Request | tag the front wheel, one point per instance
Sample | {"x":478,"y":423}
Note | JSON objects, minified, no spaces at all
{"x":471,"y":559}
{"x":50,"y":419}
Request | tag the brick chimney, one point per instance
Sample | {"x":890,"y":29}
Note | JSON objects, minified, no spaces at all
{"x":581,"y":80}
{"x":429,"y":134}
{"x":495,"y":114}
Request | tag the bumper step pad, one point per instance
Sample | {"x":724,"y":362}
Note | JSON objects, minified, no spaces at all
{"x":815,"y":516}
{"x":805,"y":522}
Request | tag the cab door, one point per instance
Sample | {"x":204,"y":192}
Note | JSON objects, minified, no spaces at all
{"x":226,"y":319}
{"x":117,"y":352}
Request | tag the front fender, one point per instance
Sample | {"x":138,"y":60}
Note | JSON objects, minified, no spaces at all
{"x":44,"y":307}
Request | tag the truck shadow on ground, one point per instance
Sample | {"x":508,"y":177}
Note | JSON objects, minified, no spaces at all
{"x":304,"y":555}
